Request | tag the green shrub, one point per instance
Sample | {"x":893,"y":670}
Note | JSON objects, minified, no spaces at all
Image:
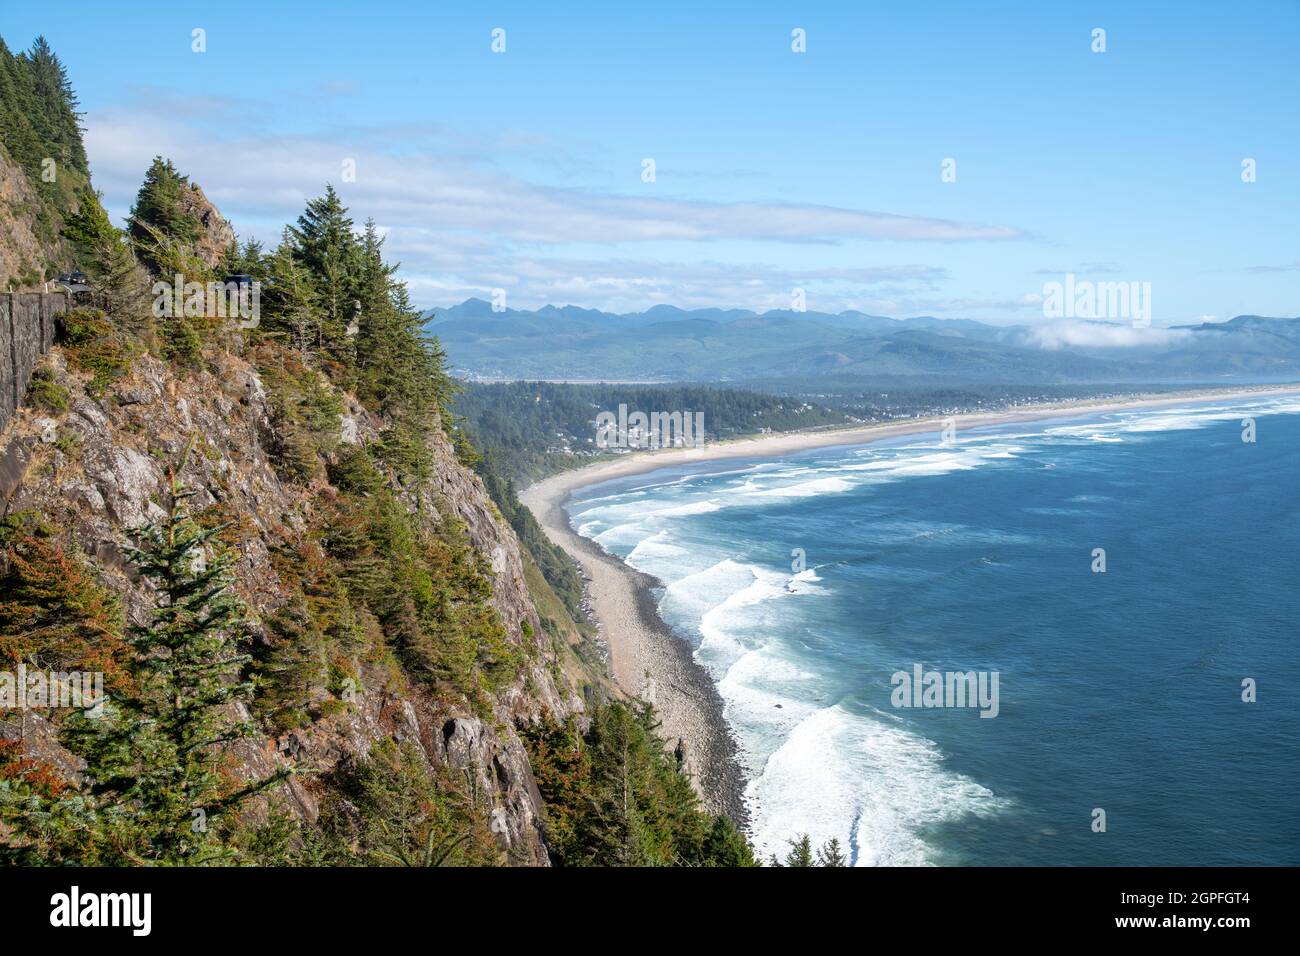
{"x":354,"y":472}
{"x":302,"y":667}
{"x":180,"y":342}
{"x":94,"y":345}
{"x":46,"y":393}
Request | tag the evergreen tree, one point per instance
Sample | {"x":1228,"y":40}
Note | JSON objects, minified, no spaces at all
{"x":162,"y":225}
{"x":614,"y":797}
{"x":246,"y":259}
{"x":188,"y":670}
{"x":57,"y":106}
{"x":379,"y":324}
{"x":105,"y":254}
{"x":401,"y":815}
{"x":327,"y":247}
{"x":830,"y":854}
{"x":18,"y":110}
{"x":40,"y":126}
{"x":801,"y":853}
{"x":54,"y":615}
{"x":156,"y":791}
{"x":289,"y":302}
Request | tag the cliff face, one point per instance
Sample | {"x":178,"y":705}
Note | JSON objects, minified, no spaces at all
{"x":96,"y":471}
{"x":24,"y":255}
{"x":217,"y":234}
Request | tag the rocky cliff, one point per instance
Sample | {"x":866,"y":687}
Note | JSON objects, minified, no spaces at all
{"x":95,"y":472}
{"x":26,"y":255}
{"x":216,"y":231}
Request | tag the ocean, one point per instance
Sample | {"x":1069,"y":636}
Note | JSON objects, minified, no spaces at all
{"x":1121,"y":737}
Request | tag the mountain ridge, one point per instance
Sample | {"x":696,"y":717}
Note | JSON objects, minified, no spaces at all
{"x":673,"y":344}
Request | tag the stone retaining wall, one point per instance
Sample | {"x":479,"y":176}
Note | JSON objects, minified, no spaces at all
{"x":26,"y":333}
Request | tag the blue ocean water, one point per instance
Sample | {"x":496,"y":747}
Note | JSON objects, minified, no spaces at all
{"x":1119,"y":690}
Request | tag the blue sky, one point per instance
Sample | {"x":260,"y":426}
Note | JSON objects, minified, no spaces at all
{"x":774,"y":170}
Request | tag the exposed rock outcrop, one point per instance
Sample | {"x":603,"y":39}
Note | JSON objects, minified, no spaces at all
{"x":24,"y":256}
{"x":103,"y":475}
{"x":217,"y":233}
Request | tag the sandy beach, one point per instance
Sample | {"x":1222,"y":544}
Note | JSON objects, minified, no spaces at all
{"x":647,"y":659}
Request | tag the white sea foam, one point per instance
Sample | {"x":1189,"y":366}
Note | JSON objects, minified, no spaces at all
{"x":805,"y":582}
{"x":692,"y":596}
{"x":649,"y":551}
{"x":722,"y":627}
{"x":1113,"y":426}
{"x":865,"y":781}
{"x":689,"y":508}
{"x":621,"y":537}
{"x":925,"y":460}
{"x":804,"y":489}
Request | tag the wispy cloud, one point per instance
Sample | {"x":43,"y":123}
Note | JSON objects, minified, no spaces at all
{"x":1083,"y":269}
{"x":455,"y":192}
{"x":1286,"y":267}
{"x":461,"y":222}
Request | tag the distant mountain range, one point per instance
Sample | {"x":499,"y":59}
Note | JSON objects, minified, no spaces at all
{"x":736,"y":345}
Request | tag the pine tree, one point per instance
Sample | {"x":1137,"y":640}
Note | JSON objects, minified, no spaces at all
{"x":155,"y":758}
{"x":726,"y":845}
{"x":57,"y":105}
{"x":161,"y":224}
{"x":39,"y":125}
{"x":378,"y":324}
{"x":614,"y":797}
{"x":246,"y":259}
{"x":800,"y":852}
{"x":327,"y":247}
{"x":830,"y":854}
{"x":290,"y":304}
{"x":105,"y":253}
{"x":404,"y":815}
{"x":18,"y":108}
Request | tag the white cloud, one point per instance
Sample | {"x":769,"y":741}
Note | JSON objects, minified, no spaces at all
{"x":1102,"y":335}
{"x":461,"y":224}
{"x":269,"y":174}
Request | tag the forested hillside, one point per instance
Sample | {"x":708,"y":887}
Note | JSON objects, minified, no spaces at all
{"x":532,"y":429}
{"x":43,"y":173}
{"x":319,"y":640}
